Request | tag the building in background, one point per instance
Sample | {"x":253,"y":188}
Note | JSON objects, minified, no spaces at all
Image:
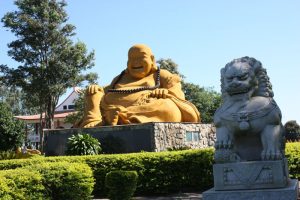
{"x":32,"y":122}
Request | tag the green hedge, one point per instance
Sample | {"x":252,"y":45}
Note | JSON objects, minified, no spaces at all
{"x":65,"y":181}
{"x":292,"y":152}
{"x":121,"y":184}
{"x":57,"y":180}
{"x":163,"y":172}
{"x":21,"y":184}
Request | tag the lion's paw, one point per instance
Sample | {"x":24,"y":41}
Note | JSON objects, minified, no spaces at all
{"x":222,"y":144}
{"x":271,"y":155}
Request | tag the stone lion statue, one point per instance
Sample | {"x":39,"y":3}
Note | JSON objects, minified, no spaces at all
{"x":248,"y":123}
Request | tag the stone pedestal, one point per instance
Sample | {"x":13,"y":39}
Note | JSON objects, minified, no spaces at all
{"x":137,"y":137}
{"x":250,"y":175}
{"x":290,"y":192}
{"x":252,"y":180}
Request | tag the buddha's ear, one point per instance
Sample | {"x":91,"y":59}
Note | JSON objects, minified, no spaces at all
{"x":152,"y":58}
{"x":154,"y":66}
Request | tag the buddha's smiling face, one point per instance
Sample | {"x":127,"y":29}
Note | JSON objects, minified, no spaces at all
{"x":140,"y":61}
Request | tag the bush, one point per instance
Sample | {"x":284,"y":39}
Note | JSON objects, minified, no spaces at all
{"x":12,"y":131}
{"x":83,"y":144}
{"x":292,"y":130}
{"x":121,"y":184}
{"x":5,"y":189}
{"x":292,"y":152}
{"x":7,"y":155}
{"x":22,"y":184}
{"x":162,"y":172}
{"x":67,"y":181}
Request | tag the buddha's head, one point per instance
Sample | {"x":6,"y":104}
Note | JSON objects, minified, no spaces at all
{"x":141,"y":61}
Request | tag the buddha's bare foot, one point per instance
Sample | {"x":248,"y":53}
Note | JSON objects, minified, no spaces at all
{"x":112,"y":116}
{"x":123,"y":118}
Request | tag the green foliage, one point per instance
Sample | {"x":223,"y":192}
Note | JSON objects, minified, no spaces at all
{"x":206,"y":100}
{"x":83,"y":144}
{"x":292,"y":130}
{"x":292,"y":152}
{"x":66,"y":181}
{"x":22,"y":184}
{"x":75,"y":117}
{"x":169,"y":65}
{"x":7,"y":155}
{"x":162,"y":172}
{"x":15,"y":99}
{"x":49,"y":60}
{"x":121,"y":184}
{"x":12,"y":131}
{"x":6,"y":187}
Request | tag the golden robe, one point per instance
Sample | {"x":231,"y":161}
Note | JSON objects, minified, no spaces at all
{"x":140,"y":107}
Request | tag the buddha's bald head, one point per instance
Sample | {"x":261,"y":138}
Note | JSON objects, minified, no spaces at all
{"x":141,"y":61}
{"x":141,"y":48}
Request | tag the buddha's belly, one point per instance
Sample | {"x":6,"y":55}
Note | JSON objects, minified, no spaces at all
{"x":125,"y":99}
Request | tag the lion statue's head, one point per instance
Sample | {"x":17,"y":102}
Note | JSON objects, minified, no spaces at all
{"x":245,"y":76}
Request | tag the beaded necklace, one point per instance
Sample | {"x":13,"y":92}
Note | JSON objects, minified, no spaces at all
{"x":157,"y":84}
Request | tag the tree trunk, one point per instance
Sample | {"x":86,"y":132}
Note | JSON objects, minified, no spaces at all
{"x":50,"y":109}
{"x":41,"y":132}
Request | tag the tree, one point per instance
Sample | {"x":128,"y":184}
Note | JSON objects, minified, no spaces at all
{"x":205,"y":99}
{"x":12,"y":132}
{"x":77,"y":116}
{"x":292,"y":131}
{"x":170,"y":65}
{"x":50,"y":61}
{"x":15,"y":98}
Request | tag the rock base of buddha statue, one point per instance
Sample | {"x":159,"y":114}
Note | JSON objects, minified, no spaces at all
{"x":151,"y":137}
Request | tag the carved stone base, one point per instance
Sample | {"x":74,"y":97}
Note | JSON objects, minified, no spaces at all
{"x":250,"y":175}
{"x":288,"y":193}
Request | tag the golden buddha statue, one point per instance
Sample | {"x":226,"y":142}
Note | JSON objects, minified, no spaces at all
{"x":141,"y":93}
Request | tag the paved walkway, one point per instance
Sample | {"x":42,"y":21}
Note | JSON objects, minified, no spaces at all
{"x":181,"y":196}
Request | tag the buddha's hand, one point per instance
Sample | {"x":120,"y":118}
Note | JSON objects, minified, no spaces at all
{"x":93,"y":89}
{"x":159,"y":93}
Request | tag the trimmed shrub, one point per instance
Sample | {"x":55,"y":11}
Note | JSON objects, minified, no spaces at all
{"x":121,"y":184}
{"x":67,"y":181}
{"x":7,"y":155}
{"x":162,"y":172}
{"x":83,"y":144}
{"x":159,"y":173}
{"x":12,"y":131}
{"x":23,"y":184}
{"x":292,"y":152}
{"x":5,"y":190}
{"x":292,"y":130}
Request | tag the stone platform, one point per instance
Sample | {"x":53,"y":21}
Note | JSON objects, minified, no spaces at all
{"x":152,"y":137}
{"x":250,"y":175}
{"x":288,"y":193}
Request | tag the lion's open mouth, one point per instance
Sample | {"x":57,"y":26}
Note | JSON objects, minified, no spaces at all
{"x":235,"y":91}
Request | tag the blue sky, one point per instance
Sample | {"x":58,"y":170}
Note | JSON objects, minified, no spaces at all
{"x":200,"y":36}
